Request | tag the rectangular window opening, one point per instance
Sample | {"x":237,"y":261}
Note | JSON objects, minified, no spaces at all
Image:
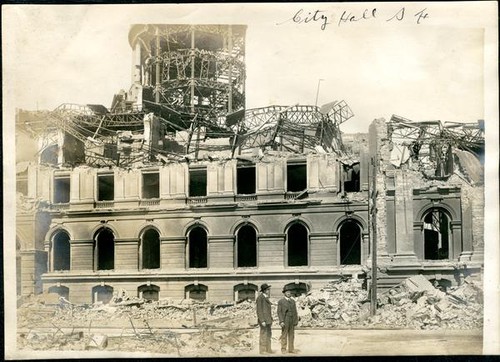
{"x":350,"y":177}
{"x":245,"y":180}
{"x":106,"y":188}
{"x":198,"y":182}
{"x":151,"y":185}
{"x":61,"y":190}
{"x":296,"y":177}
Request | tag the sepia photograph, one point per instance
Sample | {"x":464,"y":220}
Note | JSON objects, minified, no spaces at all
{"x":250,"y":180}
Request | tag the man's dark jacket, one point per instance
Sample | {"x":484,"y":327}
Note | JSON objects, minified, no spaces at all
{"x":287,"y":312}
{"x":264,"y":309}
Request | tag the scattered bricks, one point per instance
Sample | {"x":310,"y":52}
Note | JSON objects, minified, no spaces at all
{"x":442,"y":306}
{"x":99,"y":341}
{"x":417,"y":283}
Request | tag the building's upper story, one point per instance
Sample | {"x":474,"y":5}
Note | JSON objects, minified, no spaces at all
{"x":276,"y":177}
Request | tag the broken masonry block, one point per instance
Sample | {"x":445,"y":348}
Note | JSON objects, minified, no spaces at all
{"x":98,"y":341}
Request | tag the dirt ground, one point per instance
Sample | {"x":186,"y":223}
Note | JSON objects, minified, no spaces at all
{"x":413,"y":318}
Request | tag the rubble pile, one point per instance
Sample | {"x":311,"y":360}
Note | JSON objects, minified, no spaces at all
{"x":168,"y":326}
{"x":339,"y":303}
{"x":417,"y":304}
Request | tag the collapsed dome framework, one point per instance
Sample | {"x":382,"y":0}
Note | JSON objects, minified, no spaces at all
{"x":191,"y":69}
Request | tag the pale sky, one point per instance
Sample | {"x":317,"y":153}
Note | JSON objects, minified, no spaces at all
{"x":80,"y":54}
{"x":444,"y":68}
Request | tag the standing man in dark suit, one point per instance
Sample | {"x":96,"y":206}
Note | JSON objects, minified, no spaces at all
{"x":287,"y":314}
{"x":264,"y":318}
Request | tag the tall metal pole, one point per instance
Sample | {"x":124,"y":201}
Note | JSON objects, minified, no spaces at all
{"x":230,"y":85}
{"x":192,"y":69}
{"x":157,"y":70}
{"x":372,"y":213}
{"x":317,"y":92}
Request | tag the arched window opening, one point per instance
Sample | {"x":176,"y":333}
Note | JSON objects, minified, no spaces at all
{"x":102,"y":293}
{"x":244,"y":292}
{"x":198,"y":248}
{"x":297,"y":289}
{"x":350,"y":243}
{"x":149,"y":292}
{"x":49,"y":155}
{"x":61,"y":290}
{"x":246,"y":245}
{"x":61,"y":251}
{"x":196,"y":292}
{"x":441,"y":284}
{"x":150,"y":245}
{"x":436,"y":235}
{"x":104,"y":250}
{"x":297,"y":237}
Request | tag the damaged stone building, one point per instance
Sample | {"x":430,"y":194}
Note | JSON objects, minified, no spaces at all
{"x":179,"y":191}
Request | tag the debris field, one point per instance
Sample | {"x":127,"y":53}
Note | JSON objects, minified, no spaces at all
{"x":187,"y":327}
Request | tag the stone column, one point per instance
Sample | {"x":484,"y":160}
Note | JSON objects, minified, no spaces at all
{"x":403,"y":200}
{"x":271,"y":251}
{"x":173,"y":253}
{"x":221,"y":252}
{"x":126,"y":254}
{"x":82,"y":255}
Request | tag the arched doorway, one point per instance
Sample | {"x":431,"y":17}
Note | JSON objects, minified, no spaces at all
{"x":436,"y":234}
{"x":350,"y":243}
{"x":61,"y":251}
{"x":104,"y":250}
{"x":197,"y":248}
{"x":297,"y":245}
{"x":150,"y":249}
{"x":246,"y":247}
{"x":197,"y":292}
{"x":149,"y":292}
{"x":102,"y":293}
{"x":61,"y":290}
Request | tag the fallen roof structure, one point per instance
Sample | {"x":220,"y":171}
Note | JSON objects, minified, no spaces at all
{"x":438,"y":149}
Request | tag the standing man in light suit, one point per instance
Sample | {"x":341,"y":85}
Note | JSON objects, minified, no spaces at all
{"x":264,"y":318}
{"x":287,"y":314}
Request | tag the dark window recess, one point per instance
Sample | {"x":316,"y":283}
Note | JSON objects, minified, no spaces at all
{"x":106,"y":188}
{"x":61,"y":190}
{"x":149,"y":292}
{"x":102,"y":293}
{"x":151,"y":185}
{"x":151,"y":249}
{"x":105,"y":250}
{"x":61,"y":251}
{"x":245,"y":180}
{"x":22,"y":186}
{"x":350,"y":243}
{"x":49,"y":155}
{"x":61,"y":290}
{"x":246,"y":294}
{"x":351,"y":178}
{"x":296,"y":177}
{"x":198,"y":248}
{"x":198,"y":182}
{"x":247,"y":247}
{"x":197,"y":292}
{"x":297,"y":289}
{"x":297,"y":245}
{"x":436,"y":235}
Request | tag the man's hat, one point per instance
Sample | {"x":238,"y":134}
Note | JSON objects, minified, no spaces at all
{"x":264,"y":287}
{"x":287,"y":287}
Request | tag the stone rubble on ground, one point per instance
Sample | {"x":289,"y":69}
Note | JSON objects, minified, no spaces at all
{"x":188,"y":326}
